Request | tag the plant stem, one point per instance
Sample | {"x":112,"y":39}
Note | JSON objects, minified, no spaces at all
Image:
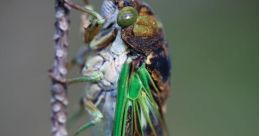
{"x":58,"y":71}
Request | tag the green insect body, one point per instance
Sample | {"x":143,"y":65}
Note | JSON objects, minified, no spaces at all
{"x":127,"y":70}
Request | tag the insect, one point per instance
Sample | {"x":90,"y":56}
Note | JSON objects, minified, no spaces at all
{"x":127,"y":70}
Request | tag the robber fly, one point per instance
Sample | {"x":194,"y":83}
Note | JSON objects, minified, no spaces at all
{"x":127,"y":69}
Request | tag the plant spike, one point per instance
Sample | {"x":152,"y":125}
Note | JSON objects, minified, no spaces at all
{"x":58,"y":71}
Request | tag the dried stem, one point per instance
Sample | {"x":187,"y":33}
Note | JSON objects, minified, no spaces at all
{"x":58,"y":71}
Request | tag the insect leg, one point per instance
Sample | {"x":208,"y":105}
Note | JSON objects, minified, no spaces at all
{"x":90,"y":26}
{"x":94,"y":96}
{"x":93,"y":111}
{"x":76,"y":115}
{"x":79,"y":58}
{"x":92,"y":77}
{"x":99,"y":18}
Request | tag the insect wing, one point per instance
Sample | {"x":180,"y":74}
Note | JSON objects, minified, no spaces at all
{"x":137,"y":112}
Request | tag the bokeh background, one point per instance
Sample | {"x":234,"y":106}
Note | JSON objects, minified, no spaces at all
{"x":214,"y":48}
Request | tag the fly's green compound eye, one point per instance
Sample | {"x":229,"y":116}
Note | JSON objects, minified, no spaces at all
{"x":127,"y":16}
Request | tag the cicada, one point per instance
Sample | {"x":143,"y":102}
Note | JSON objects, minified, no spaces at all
{"x":127,"y":70}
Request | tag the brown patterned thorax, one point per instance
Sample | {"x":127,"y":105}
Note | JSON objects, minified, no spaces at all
{"x":147,"y":38}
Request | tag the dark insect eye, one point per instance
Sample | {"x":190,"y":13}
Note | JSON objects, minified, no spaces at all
{"x":127,"y":16}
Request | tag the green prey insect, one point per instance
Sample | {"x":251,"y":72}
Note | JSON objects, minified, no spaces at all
{"x":126,"y":68}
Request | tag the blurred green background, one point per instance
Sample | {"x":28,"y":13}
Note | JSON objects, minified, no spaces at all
{"x":214,"y":48}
